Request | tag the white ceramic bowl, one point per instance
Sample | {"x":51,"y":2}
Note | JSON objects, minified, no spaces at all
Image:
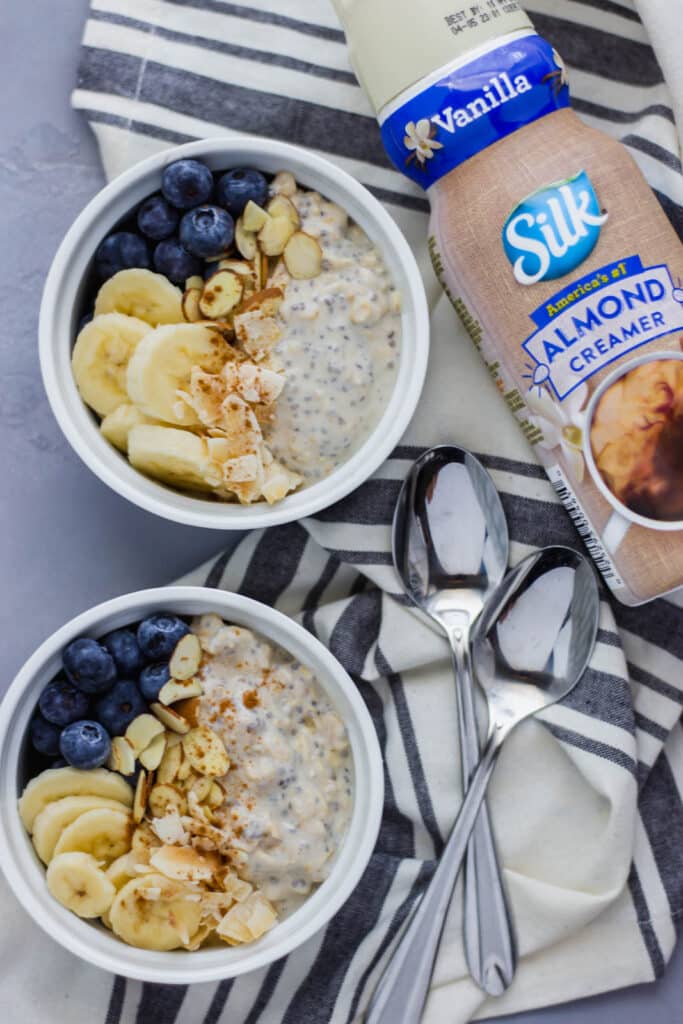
{"x":92,"y":942}
{"x":60,"y":312}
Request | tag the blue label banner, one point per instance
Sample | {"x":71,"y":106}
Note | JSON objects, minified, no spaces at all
{"x":474,"y":106}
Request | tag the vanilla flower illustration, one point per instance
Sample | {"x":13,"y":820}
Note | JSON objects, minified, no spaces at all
{"x":419,"y":139}
{"x":559,"y":78}
{"x":562,"y":425}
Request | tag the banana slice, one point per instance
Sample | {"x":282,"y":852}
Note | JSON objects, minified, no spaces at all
{"x":104,"y":833}
{"x":153,"y":912}
{"x":176,"y":457}
{"x":100,"y":359}
{"x":117,"y":425}
{"x":150,"y":297}
{"x":163,"y":366}
{"x":78,"y":883}
{"x":55,"y":817}
{"x":55,"y":783}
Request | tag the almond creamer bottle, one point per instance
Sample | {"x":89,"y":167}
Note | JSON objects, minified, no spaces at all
{"x":557,"y":257}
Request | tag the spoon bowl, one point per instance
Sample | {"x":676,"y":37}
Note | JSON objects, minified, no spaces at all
{"x":535,"y":636}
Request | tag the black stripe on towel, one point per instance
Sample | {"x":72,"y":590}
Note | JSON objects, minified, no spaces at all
{"x":160,"y":1003}
{"x":603,"y":696}
{"x":609,"y":7}
{"x":274,"y":562}
{"x":116,"y":999}
{"x":412,"y":751}
{"x":307,"y":28}
{"x":265,"y":992}
{"x":229,"y":49}
{"x":220,"y":998}
{"x":424,"y":874}
{"x":591,"y":746}
{"x":661,"y":812}
{"x":303,"y":122}
{"x":647,"y":932}
{"x":598,"y":52}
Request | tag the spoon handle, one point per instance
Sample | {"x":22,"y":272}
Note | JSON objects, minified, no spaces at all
{"x":403,"y":987}
{"x":488,"y":933}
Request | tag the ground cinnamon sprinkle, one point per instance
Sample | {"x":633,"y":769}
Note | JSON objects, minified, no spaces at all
{"x":250,"y":699}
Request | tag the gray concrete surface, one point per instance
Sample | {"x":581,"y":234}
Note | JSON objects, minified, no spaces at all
{"x":66,"y":541}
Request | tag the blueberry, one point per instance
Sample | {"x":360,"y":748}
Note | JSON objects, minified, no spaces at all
{"x":61,"y":702}
{"x":85,"y":744}
{"x":121,"y":251}
{"x":237,"y":187}
{"x":187,"y":183}
{"x":210,"y":268}
{"x":152,"y":679}
{"x":159,"y":634}
{"x":44,"y":736}
{"x":173,"y":260}
{"x":123,"y":646}
{"x":207,"y":231}
{"x":89,"y":665}
{"x":157,"y":219}
{"x":117,"y":709}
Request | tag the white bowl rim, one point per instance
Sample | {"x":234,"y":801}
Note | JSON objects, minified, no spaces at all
{"x":99,"y":947}
{"x":154,"y":497}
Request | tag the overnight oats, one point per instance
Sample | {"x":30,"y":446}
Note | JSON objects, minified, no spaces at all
{"x":203,"y":786}
{"x":244,"y":338}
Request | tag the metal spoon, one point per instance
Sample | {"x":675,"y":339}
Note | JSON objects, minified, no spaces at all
{"x":531,"y":646}
{"x":450,"y":548}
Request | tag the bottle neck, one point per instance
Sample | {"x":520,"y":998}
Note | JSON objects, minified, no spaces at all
{"x":472,"y":102}
{"x":448,"y":70}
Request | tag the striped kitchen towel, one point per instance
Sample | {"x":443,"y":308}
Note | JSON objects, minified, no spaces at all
{"x":588,"y":805}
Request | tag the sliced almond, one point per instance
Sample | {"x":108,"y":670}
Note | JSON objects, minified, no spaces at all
{"x":267,"y":301}
{"x":222,"y":292}
{"x":181,"y":863}
{"x":284,"y":183}
{"x":142,"y":789}
{"x":274,"y":235}
{"x":253,"y":216}
{"x":205,"y":751}
{"x":190,"y":304}
{"x":151,"y":756}
{"x":142,"y":731}
{"x":179,"y":689}
{"x":170,"y":762}
{"x":170,"y":718}
{"x":122,"y":756}
{"x":245,"y":240}
{"x":201,"y":787}
{"x":303,"y":256}
{"x":189,"y":709}
{"x":186,"y":658}
{"x":281,"y":206}
{"x":184,"y":773}
{"x":164,"y":797}
{"x":263,"y":271}
{"x":216,"y":796}
{"x":194,"y":282}
{"x":144,"y":838}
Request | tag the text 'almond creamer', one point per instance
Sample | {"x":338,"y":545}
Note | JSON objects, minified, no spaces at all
{"x":557,"y":256}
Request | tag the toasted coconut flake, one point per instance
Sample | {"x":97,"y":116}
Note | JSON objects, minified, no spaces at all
{"x":284,"y":183}
{"x":258,"y":334}
{"x":255,"y":384}
{"x":247,"y":921}
{"x":169,"y":829}
{"x":279,"y":481}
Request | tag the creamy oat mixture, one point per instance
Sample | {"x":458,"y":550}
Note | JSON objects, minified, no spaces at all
{"x":341,"y":335}
{"x":289,"y":788}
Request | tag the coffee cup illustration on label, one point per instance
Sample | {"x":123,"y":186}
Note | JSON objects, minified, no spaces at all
{"x":633,"y":445}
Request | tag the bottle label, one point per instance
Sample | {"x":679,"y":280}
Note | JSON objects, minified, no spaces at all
{"x":473,"y":106}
